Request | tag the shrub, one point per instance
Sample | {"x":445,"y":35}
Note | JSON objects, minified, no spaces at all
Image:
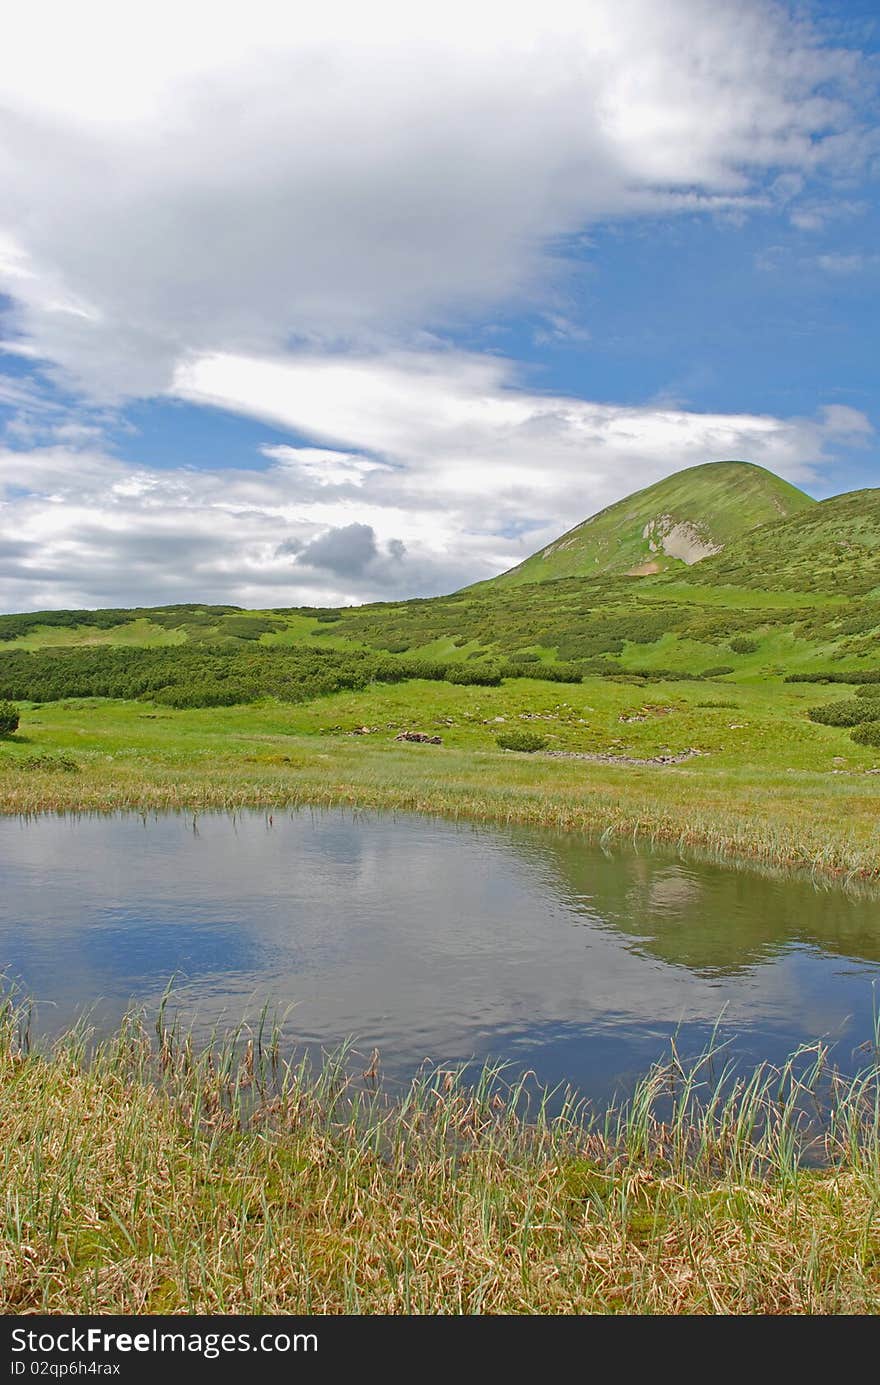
{"x":558,"y":673}
{"x":867,"y":734}
{"x":528,"y":741}
{"x":8,"y":718}
{"x":248,"y":627}
{"x":62,"y":763}
{"x":486,"y":676}
{"x":718,"y":671}
{"x":870,"y":675}
{"x":662,"y":675}
{"x":850,"y":712}
{"x":547,"y":673}
{"x":525,"y":657}
{"x":743,"y":646}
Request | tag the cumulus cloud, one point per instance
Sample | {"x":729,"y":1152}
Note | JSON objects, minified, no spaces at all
{"x":190,"y":178}
{"x":347,"y":551}
{"x":289,"y":212}
{"x":463,"y":476}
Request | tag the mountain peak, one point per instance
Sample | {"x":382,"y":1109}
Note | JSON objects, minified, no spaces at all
{"x":691,"y":515}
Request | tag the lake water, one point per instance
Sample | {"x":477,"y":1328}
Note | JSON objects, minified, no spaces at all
{"x":430,"y":940}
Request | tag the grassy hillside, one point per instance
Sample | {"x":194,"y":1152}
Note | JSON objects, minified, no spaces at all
{"x":790,"y":595}
{"x":798,"y":596}
{"x":834,"y":546}
{"x":613,"y":666}
{"x":674,"y":523}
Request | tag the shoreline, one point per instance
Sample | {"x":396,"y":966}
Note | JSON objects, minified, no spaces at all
{"x":736,"y":830}
{"x":152,"y":1178}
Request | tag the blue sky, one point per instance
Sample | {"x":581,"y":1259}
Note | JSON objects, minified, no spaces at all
{"x":366,"y":306}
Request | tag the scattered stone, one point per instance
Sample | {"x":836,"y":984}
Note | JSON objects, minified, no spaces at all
{"x":625,"y":759}
{"x":419,"y":737}
{"x":650,"y":709}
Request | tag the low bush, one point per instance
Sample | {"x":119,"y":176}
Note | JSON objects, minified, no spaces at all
{"x":867,"y":734}
{"x":8,"y":718}
{"x":529,"y":741}
{"x":62,"y":763}
{"x":547,"y":673}
{"x":479,"y":675}
{"x":743,"y":646}
{"x":849,"y":712}
{"x":861,"y":675}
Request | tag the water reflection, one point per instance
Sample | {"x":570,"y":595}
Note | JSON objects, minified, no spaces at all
{"x":712,"y":919}
{"x":431,"y":940}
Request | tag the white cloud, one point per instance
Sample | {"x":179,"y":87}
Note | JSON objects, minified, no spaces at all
{"x":455,"y":429}
{"x":817,"y":216}
{"x":429,"y":475}
{"x":283,"y":211}
{"x":317,"y":465}
{"x":836,"y":262}
{"x":218,"y":177}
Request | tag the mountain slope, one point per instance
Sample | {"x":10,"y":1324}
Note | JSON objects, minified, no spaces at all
{"x":676,"y":522}
{"x":833,"y":547}
{"x":797,"y":595}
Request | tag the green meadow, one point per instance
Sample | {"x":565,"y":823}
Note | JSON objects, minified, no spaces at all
{"x":766,"y":782}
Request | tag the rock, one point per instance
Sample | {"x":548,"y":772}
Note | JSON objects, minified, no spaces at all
{"x":419,"y":737}
{"x":603,"y":759}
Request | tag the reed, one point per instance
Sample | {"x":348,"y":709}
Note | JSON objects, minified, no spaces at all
{"x":827,"y":830}
{"x":768,"y":787}
{"x":142,"y":1174}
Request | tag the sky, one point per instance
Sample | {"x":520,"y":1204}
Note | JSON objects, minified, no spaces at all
{"x":320,"y":308}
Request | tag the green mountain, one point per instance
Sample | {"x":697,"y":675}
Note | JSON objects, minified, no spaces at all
{"x":831,"y":547}
{"x":797,"y":594}
{"x":675,"y":523}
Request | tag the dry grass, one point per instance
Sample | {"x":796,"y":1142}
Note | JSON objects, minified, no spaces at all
{"x":776,"y":789}
{"x":152,"y":1179}
{"x":807,"y":822}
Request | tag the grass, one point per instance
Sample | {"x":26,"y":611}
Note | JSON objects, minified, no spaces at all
{"x":141,"y":633}
{"x":768,"y":785}
{"x":718,"y":502}
{"x":142,"y":1176}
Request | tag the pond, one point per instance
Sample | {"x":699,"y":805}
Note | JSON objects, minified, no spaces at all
{"x":431,"y":941}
